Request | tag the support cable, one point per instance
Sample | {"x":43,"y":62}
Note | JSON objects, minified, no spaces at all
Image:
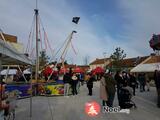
{"x":32,"y":40}
{"x":40,"y":35}
{"x":46,"y":38}
{"x":60,"y":48}
{"x":30,"y":34}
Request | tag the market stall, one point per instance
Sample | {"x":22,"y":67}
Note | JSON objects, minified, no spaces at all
{"x":78,"y":70}
{"x":98,"y":71}
{"x":145,"y":68}
{"x":10,"y":56}
{"x":55,"y":85}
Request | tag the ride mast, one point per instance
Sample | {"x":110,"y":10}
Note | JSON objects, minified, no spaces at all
{"x":37,"y":46}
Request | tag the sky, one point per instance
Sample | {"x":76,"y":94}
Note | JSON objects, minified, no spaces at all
{"x":103,"y":26}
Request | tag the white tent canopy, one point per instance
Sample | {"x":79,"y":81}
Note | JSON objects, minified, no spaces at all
{"x":146,"y":67}
{"x":10,"y":56}
{"x":10,"y":72}
{"x":13,"y":72}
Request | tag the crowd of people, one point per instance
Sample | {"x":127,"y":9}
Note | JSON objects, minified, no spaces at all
{"x":110,"y":83}
{"x":74,"y":80}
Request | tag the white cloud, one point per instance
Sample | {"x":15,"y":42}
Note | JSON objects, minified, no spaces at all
{"x":144,"y":21}
{"x":16,"y":17}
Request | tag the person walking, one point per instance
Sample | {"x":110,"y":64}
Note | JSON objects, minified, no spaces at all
{"x":103,"y":91}
{"x":144,"y":81}
{"x":82,"y":78}
{"x":110,"y":87}
{"x":141,"y":79}
{"x":157,"y":82}
{"x":78,"y":82}
{"x":147,"y":82}
{"x":74,"y":84}
{"x":67,"y":81}
{"x":90,"y":83}
{"x":132,"y":82}
{"x":120,"y":83}
{"x":125,"y":79}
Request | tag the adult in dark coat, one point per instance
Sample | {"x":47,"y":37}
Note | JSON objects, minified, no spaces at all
{"x":74,"y":84}
{"x":67,"y":78}
{"x":157,"y":82}
{"x":142,"y":81}
{"x":67,"y":82}
{"x":90,"y":84}
{"x":125,"y":79}
{"x":110,"y":86}
{"x":120,"y":82}
{"x":132,"y":82}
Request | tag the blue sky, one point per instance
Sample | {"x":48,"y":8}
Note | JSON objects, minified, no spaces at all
{"x":104,"y":24}
{"x":104,"y":15}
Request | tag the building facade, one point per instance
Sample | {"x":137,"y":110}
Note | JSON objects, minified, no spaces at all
{"x":99,"y":63}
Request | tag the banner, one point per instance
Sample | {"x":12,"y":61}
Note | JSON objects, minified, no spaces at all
{"x":23,"y":90}
{"x":55,"y":89}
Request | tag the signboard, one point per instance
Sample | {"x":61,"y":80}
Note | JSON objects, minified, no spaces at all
{"x":23,"y":90}
{"x":55,"y":89}
{"x":52,"y":89}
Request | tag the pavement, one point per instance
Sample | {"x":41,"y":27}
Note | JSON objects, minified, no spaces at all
{"x":73,"y":107}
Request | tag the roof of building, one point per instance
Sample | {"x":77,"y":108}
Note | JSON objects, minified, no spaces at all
{"x":70,"y":66}
{"x":152,"y":59}
{"x":9,"y":38}
{"x":128,"y":62}
{"x":99,"y":61}
{"x":84,"y":67}
{"x":131,"y":62}
{"x":149,"y":65}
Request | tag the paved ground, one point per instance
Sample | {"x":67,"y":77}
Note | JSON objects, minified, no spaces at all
{"x":72,"y":108}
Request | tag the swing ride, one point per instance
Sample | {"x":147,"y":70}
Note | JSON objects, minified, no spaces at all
{"x":44,"y":80}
